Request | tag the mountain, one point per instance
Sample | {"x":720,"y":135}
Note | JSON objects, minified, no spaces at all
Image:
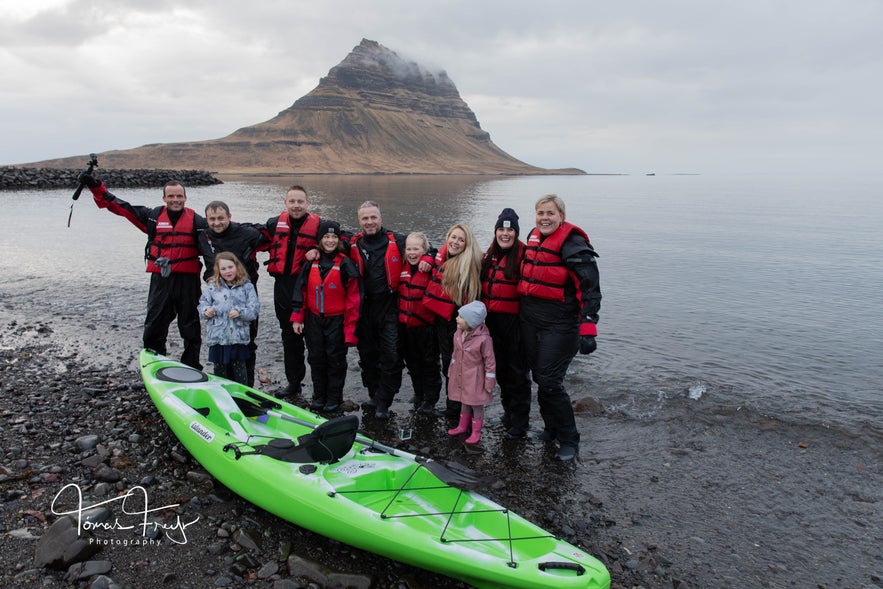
{"x":374,"y":113}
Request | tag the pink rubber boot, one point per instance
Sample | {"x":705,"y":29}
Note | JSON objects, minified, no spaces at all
{"x":476,"y":432}
{"x":462,"y":427}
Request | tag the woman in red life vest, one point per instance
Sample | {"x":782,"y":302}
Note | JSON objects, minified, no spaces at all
{"x":418,"y":339}
{"x":455,"y":281}
{"x":560,"y":300}
{"x":325,"y":310}
{"x":500,"y":271}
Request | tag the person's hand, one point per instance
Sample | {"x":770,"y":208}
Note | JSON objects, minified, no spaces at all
{"x":233,"y":314}
{"x":88,"y":180}
{"x":424,"y":266}
{"x":210,"y":312}
{"x":312,"y":255}
{"x":298,"y":328}
{"x":587,"y":344}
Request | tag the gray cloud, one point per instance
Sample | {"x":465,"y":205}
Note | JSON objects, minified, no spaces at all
{"x":608,"y":87}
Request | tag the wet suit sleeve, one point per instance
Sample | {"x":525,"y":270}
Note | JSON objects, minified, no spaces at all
{"x":137,"y":215}
{"x":350,"y":275}
{"x":208,"y":255}
{"x":258,"y":236}
{"x":579,"y":256}
{"x":299,"y":295}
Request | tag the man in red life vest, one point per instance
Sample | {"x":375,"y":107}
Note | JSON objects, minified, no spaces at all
{"x":292,"y":234}
{"x":379,"y":255}
{"x":172,"y":256}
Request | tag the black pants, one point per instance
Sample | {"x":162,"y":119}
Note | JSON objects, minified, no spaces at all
{"x":513,"y":374}
{"x":549,"y":353}
{"x":419,"y":348}
{"x":174,"y":297}
{"x":252,"y":353}
{"x":378,"y":333}
{"x":326,"y":353}
{"x":292,"y":343}
{"x":235,"y":371}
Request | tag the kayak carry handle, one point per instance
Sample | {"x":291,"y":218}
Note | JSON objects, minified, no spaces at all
{"x":573,"y":566}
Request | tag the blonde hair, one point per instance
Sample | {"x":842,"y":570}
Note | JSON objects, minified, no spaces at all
{"x":555,"y":200}
{"x":462,"y":273}
{"x":241,"y":273}
{"x":421,"y":237}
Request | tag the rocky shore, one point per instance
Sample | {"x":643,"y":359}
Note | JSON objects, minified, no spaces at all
{"x":72,"y":424}
{"x":20,"y":178}
{"x":691,"y":498}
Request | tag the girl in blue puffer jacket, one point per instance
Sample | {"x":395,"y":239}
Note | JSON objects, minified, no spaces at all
{"x":230,"y":303}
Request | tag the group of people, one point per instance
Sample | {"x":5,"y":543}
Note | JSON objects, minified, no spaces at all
{"x":473,"y":319}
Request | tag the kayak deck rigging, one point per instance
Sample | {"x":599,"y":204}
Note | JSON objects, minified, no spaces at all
{"x":325,"y":476}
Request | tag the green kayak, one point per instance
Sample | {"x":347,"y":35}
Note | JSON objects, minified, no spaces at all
{"x":324,"y":476}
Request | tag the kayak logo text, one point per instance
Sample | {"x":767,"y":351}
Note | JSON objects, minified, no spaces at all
{"x":201,"y":431}
{"x":135,"y":516}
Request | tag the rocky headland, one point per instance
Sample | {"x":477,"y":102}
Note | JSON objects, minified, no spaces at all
{"x":373,"y":113}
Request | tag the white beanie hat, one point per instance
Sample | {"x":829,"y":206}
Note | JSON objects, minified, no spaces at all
{"x":473,"y":313}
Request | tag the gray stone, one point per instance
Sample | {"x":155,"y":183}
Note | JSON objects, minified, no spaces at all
{"x":107,"y":474}
{"x":343,"y":580}
{"x":83,"y":570}
{"x":268,"y":570}
{"x":103,"y":582}
{"x":248,"y":539}
{"x":86,"y":443}
{"x":61,"y":546}
{"x":301,"y":567}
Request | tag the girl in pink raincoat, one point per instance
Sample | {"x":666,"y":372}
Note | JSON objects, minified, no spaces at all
{"x":471,"y":375}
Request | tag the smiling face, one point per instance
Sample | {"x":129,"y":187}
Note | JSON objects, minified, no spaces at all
{"x":296,"y":203}
{"x":456,"y":241}
{"x":329,"y":242}
{"x":218,"y":220}
{"x":549,"y":218}
{"x":227,"y":270}
{"x":414,"y":250}
{"x":174,"y":197}
{"x":506,"y":237}
{"x":370,"y":220}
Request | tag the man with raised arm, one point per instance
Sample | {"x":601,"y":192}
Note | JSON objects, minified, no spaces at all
{"x":172,"y":256}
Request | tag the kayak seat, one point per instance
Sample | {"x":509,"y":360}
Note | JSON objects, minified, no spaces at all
{"x":328,"y":443}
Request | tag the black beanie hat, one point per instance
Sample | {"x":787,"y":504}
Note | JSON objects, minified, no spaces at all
{"x":327,"y":226}
{"x":508,"y":218}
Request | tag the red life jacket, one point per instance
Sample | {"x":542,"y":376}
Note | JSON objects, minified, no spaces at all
{"x":436,"y":299}
{"x":305,"y":239}
{"x":412,"y":286}
{"x":543,"y":272}
{"x":177,"y":243}
{"x":498,"y":293}
{"x":392,"y":261}
{"x":326,"y":297}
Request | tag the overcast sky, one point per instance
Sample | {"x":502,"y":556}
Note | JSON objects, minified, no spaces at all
{"x":628,"y":87}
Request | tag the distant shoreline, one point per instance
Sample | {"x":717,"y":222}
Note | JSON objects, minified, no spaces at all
{"x":24,"y":178}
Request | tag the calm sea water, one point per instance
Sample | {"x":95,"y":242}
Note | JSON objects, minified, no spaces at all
{"x":762,"y":293}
